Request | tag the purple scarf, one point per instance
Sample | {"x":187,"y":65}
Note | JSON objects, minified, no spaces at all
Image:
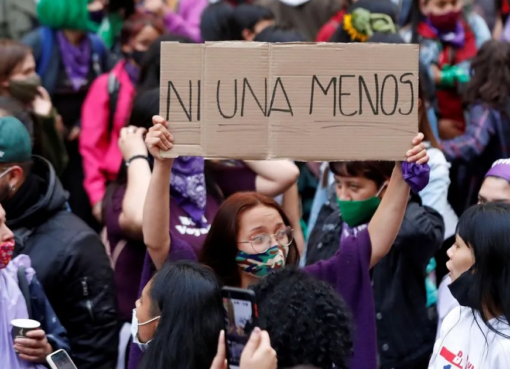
{"x":132,"y":71}
{"x":455,"y":38}
{"x":187,"y":186}
{"x":76,"y":60}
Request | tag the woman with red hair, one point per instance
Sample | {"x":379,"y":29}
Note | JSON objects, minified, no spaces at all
{"x":251,"y":237}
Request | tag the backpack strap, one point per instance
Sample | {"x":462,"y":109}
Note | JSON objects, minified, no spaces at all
{"x":113,"y":93}
{"x":21,"y":236}
{"x":25,"y":291}
{"x":43,"y":61}
{"x":98,"y":53}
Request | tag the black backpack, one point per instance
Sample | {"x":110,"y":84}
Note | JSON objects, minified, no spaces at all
{"x":113,"y":93}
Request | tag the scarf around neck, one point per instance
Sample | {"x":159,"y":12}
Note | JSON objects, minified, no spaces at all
{"x":455,"y":38}
{"x":76,"y":59}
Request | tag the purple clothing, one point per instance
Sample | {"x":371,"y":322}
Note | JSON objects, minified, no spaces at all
{"x":133,"y":72}
{"x":186,"y":229}
{"x":500,"y":169}
{"x":179,"y":250}
{"x":76,"y":60}
{"x":186,"y":20}
{"x":13,"y":306}
{"x":456,"y":38}
{"x":348,"y":272}
{"x":129,"y":263}
{"x":416,"y":176}
{"x":187,"y":186}
{"x":506,"y":32}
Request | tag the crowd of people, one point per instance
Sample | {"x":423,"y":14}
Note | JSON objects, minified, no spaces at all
{"x":120,"y":253}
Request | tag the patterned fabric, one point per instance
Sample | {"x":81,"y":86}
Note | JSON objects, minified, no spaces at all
{"x":483,"y":125}
{"x":187,"y":186}
{"x":6,"y":250}
{"x":260,"y":265}
{"x":76,"y":59}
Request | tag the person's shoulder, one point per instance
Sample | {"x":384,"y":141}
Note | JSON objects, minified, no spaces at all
{"x":33,"y":38}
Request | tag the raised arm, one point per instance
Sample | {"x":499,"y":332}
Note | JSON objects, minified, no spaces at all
{"x":156,"y":211}
{"x":386,"y":222}
{"x":274,"y":177}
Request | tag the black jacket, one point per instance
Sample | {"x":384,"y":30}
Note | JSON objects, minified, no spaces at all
{"x":70,"y":262}
{"x":405,"y":331}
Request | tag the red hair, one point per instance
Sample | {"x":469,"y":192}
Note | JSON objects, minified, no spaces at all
{"x":220,"y":247}
{"x":138,"y":21}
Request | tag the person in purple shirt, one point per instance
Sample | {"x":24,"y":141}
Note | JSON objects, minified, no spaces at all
{"x":250,"y":237}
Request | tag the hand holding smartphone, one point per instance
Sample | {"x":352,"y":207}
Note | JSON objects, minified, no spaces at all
{"x":241,"y":317}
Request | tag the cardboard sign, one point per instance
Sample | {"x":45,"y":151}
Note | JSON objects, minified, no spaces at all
{"x":248,"y":100}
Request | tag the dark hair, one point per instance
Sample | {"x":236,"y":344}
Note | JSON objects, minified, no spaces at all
{"x":247,"y":15}
{"x":13,"y":53}
{"x":377,"y":171}
{"x":485,"y":228}
{"x":379,"y":6}
{"x":423,"y":118}
{"x":307,"y":320}
{"x":151,"y":64}
{"x":218,"y":23}
{"x":187,"y":295}
{"x":124,"y":7}
{"x":490,"y":77}
{"x":136,"y":22}
{"x":220,"y":247}
{"x":278,"y":34}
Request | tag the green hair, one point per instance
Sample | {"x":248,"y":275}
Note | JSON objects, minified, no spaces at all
{"x":66,"y":14}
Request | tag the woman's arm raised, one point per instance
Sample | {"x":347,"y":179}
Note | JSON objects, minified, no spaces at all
{"x":386,"y":222}
{"x":156,"y":211}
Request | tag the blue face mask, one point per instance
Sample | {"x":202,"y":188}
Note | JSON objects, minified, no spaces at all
{"x":134,"y":331}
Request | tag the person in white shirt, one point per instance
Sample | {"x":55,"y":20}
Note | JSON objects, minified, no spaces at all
{"x":495,"y":188}
{"x":476,"y":335}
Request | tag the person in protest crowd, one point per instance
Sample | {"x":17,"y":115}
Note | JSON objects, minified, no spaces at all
{"x":244,"y":252}
{"x":252,"y":19}
{"x":69,"y":56}
{"x":314,"y":326}
{"x":449,"y":38}
{"x":487,"y":133}
{"x":67,"y":255}
{"x":179,"y":316}
{"x":495,"y":189}
{"x":355,"y":196}
{"x":20,"y":82}
{"x":477,"y":334}
{"x":107,"y":106}
{"x":277,"y":34}
{"x":22,"y":297}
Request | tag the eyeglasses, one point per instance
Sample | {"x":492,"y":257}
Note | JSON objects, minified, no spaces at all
{"x":263,"y":241}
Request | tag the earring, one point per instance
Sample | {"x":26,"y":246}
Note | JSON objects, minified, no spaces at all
{"x":12,"y":187}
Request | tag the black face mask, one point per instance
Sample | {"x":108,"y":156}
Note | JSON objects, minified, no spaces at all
{"x":462,"y":290}
{"x":96,"y":16}
{"x":137,"y":56}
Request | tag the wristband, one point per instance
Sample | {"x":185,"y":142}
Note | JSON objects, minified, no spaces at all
{"x":131,"y":159}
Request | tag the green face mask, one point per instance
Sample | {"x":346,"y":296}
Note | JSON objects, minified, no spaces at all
{"x":355,"y":213}
{"x":25,"y":90}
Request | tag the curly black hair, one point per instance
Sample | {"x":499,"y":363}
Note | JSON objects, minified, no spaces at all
{"x":308,"y":322}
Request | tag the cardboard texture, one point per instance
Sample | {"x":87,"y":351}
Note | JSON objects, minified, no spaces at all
{"x":248,"y":100}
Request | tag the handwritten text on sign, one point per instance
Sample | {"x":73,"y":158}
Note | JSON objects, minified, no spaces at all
{"x":299,"y":101}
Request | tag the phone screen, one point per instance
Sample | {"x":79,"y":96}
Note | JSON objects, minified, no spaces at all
{"x":238,"y":324}
{"x":61,"y":360}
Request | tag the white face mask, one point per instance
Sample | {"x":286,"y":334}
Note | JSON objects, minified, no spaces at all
{"x":134,"y":331}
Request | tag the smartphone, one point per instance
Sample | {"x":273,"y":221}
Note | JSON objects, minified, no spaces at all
{"x":241,"y":317}
{"x":60,"y":360}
